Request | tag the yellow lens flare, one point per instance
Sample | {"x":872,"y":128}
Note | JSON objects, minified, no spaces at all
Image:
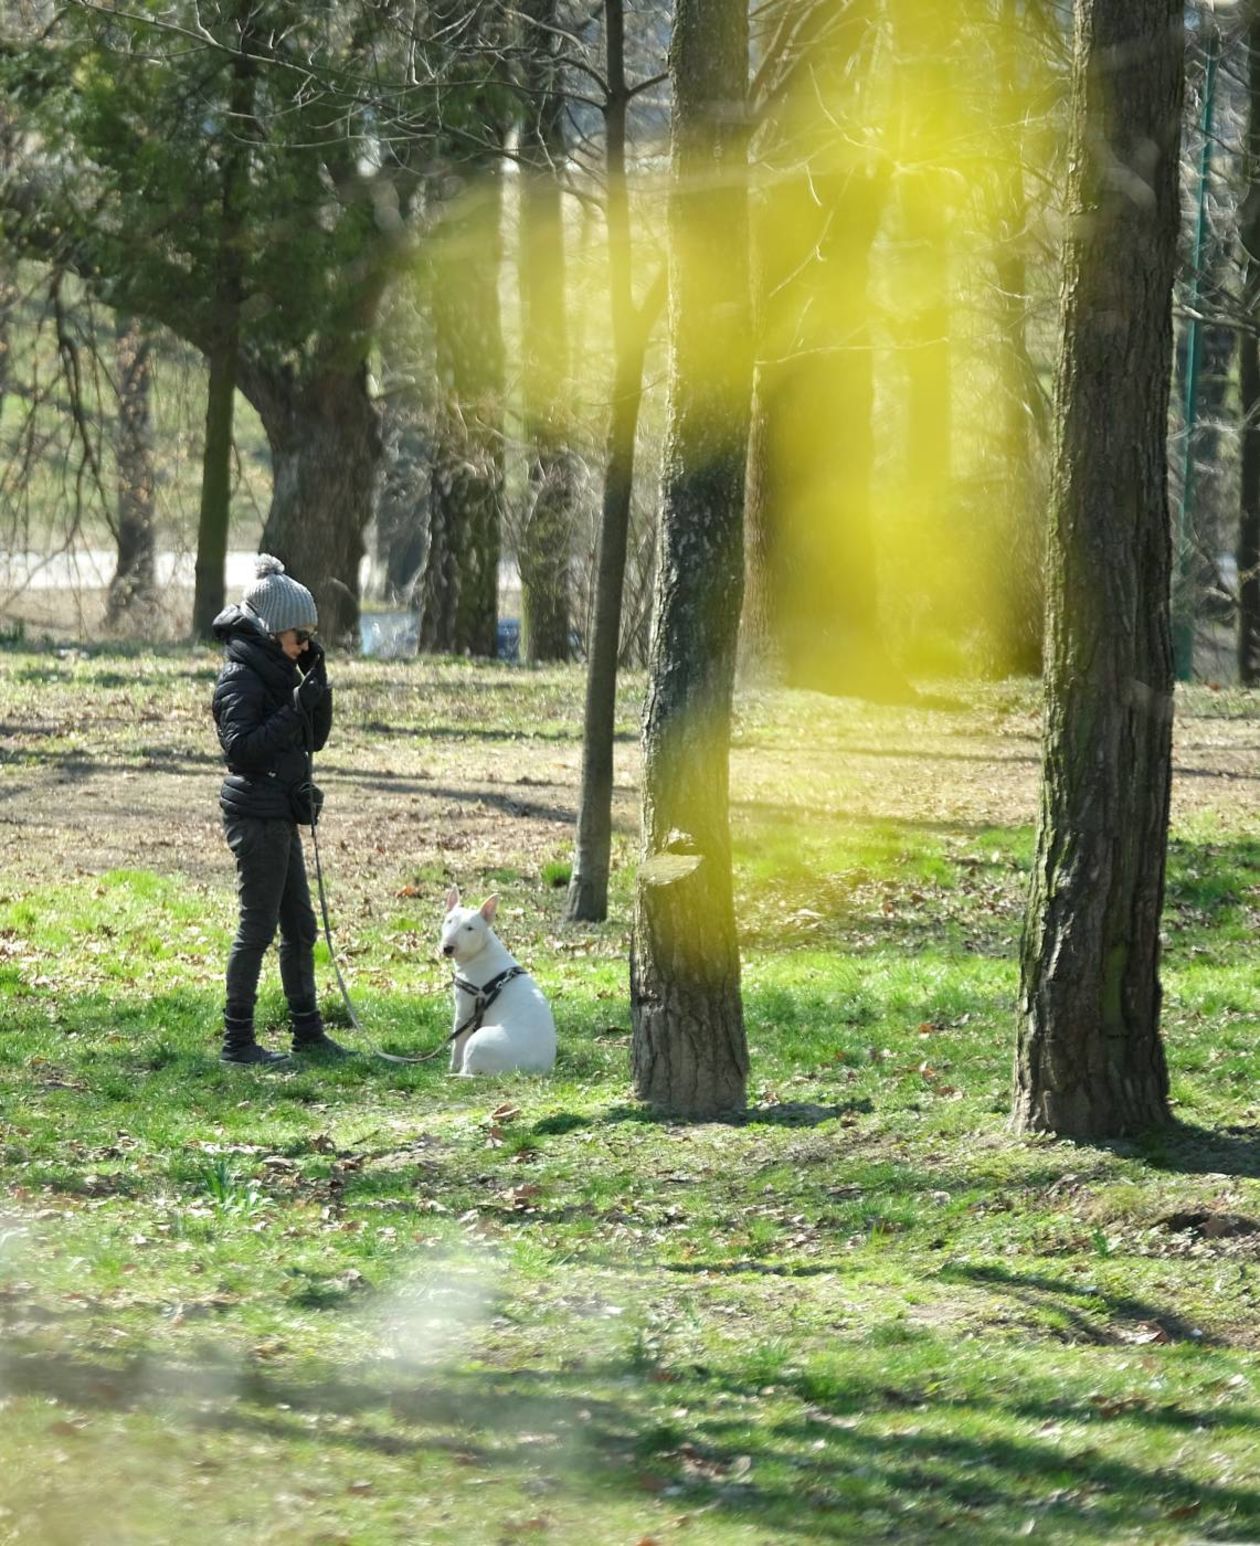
{"x":901,"y":205}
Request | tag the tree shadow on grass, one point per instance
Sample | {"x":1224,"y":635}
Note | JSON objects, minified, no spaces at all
{"x":835,"y":1462}
{"x":1188,"y":1149}
{"x":1091,"y":1313}
{"x":781,"y":1114}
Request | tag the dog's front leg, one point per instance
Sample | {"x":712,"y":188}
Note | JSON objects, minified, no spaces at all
{"x":457,"y":1052}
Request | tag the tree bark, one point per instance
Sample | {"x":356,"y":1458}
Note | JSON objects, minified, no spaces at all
{"x":325,"y":441}
{"x":587,"y":900}
{"x":460,"y":588}
{"x":689,"y":1051}
{"x":133,"y":589}
{"x":1249,"y":380}
{"x":1090,"y":1062}
{"x":547,"y":529}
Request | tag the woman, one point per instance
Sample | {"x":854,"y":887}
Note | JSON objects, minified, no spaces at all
{"x":271,"y":699}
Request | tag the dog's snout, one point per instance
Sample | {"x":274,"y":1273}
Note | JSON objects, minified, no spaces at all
{"x":448,"y":950}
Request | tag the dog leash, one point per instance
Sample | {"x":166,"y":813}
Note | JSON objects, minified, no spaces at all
{"x":308,"y":737}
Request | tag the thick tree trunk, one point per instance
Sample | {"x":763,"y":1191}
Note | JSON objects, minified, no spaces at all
{"x":133,"y":589}
{"x":1249,"y":381}
{"x":689,"y":1051}
{"x":547,"y":529}
{"x":587,"y":901}
{"x":1090,"y":1062}
{"x":325,"y":443}
{"x":1248,"y":551}
{"x":460,"y":588}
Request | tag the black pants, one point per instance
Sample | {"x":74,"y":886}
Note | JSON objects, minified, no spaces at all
{"x":271,"y":885}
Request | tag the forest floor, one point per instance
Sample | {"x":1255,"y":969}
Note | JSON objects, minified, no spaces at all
{"x":367,"y":1303}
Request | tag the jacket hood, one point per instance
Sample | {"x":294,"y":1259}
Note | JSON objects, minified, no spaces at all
{"x":235,"y":621}
{"x":246,"y":643}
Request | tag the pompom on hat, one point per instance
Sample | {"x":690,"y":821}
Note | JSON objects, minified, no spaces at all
{"x":278,"y":602}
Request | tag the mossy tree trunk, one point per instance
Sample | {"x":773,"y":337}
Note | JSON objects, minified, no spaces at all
{"x":1090,"y":1061}
{"x":1249,"y":381}
{"x":133,"y":588}
{"x":689,"y":1051}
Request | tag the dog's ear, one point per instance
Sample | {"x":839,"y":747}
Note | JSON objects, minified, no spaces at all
{"x":489,"y":907}
{"x":452,"y":899}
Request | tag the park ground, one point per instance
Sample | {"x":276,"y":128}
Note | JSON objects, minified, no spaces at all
{"x":368,"y":1304}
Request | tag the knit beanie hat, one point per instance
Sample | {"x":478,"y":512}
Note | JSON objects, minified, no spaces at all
{"x":277,"y":601}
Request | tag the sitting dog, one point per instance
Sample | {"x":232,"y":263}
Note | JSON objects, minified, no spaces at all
{"x":502,"y":1021}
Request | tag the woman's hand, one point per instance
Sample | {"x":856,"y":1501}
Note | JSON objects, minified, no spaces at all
{"x":311,"y":661}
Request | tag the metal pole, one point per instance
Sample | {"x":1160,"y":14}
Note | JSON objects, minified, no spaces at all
{"x":1183,"y":596}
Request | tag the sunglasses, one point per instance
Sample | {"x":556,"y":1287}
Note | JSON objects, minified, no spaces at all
{"x":304,"y":635}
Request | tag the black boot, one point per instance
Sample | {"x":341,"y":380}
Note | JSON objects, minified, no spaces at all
{"x":239,"y":1045}
{"x":309,"y":1035}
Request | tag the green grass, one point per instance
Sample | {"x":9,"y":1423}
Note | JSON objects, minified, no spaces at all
{"x":369,"y":1303}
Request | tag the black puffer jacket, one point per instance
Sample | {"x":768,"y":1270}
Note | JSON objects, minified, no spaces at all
{"x":260,"y":727}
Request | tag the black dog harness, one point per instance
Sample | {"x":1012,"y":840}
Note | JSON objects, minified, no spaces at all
{"x":483,"y":998}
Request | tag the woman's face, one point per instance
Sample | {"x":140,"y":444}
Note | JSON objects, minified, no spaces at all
{"x":293,"y":642}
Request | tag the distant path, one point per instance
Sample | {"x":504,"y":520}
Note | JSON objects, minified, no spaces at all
{"x":93,"y":568}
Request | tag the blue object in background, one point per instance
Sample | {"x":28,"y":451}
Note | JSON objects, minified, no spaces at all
{"x":508,"y":640}
{"x":389,"y":635}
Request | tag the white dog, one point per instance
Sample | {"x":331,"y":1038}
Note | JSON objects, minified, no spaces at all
{"x":502,"y":1021}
